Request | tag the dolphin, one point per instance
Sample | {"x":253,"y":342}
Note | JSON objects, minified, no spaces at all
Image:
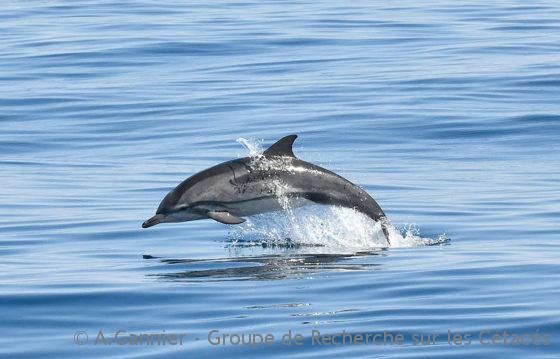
{"x":273,"y":181}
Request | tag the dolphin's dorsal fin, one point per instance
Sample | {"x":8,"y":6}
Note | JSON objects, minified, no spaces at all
{"x":283,"y":147}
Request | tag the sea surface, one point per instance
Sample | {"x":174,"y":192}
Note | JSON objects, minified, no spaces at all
{"x":447,"y":113}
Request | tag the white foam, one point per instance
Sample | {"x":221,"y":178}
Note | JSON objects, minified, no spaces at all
{"x":326,"y":226}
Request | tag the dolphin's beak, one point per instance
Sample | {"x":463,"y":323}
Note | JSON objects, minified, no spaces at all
{"x":153,"y":221}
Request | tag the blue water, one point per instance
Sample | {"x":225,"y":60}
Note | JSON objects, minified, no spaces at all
{"x":447,"y":113}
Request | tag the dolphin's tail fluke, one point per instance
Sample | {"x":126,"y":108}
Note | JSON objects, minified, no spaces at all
{"x":384,"y":226}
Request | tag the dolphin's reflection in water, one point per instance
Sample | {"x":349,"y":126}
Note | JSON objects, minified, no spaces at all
{"x":285,"y":263}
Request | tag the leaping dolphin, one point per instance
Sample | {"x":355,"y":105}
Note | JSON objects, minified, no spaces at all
{"x":251,"y":185}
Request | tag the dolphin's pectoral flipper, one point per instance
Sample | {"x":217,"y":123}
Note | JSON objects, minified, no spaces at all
{"x":225,"y":217}
{"x":283,"y":147}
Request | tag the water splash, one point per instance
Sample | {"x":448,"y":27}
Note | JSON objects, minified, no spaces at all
{"x":332,"y":227}
{"x":337,"y":228}
{"x":252,"y":145}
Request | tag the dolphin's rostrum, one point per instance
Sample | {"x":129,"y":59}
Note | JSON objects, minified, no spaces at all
{"x":272,"y":181}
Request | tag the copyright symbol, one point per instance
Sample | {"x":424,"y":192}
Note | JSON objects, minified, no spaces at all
{"x":80,"y":337}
